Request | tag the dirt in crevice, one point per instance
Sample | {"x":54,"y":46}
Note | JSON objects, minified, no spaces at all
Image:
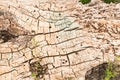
{"x":38,"y":70}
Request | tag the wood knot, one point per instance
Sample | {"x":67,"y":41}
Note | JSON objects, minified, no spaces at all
{"x":10,"y":30}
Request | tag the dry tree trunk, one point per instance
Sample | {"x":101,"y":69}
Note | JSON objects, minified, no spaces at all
{"x":55,"y":39}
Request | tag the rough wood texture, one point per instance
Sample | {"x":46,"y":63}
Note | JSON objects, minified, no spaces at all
{"x":68,"y":38}
{"x":10,"y":30}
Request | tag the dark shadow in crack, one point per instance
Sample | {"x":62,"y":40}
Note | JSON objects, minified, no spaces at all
{"x":99,"y":72}
{"x":5,"y":36}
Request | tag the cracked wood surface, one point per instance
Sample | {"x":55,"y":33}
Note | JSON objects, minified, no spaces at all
{"x":68,"y":38}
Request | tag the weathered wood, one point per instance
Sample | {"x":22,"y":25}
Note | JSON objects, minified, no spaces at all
{"x":65,"y":37}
